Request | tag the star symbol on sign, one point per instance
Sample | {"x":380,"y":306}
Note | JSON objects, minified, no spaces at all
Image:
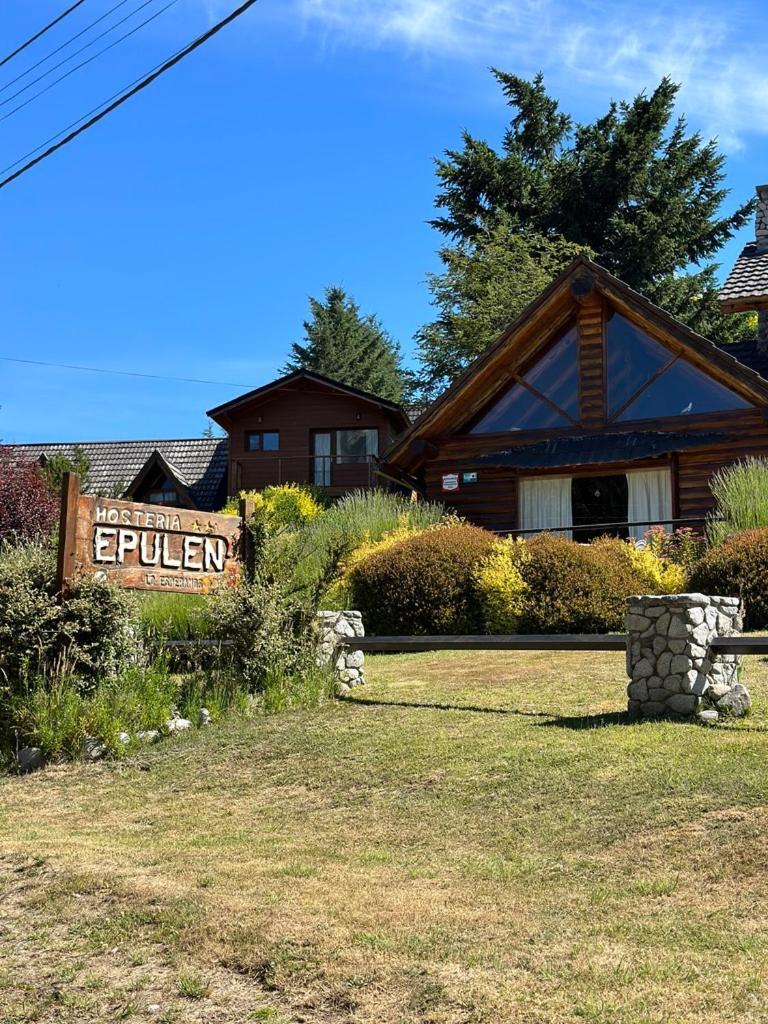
{"x":197,"y":526}
{"x":210,"y":527}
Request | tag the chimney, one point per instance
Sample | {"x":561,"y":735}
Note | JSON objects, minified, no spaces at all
{"x":761,"y":219}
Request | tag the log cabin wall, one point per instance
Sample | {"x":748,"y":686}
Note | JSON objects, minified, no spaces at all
{"x":591,"y":369}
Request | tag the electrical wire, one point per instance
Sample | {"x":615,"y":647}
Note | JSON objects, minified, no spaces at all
{"x":123,"y":373}
{"x":82,"y":49}
{"x":82,"y":64}
{"x":63,"y":45}
{"x":41,"y":32}
{"x":126,"y":95}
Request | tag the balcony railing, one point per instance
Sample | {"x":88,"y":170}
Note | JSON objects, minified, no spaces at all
{"x":321,"y":470}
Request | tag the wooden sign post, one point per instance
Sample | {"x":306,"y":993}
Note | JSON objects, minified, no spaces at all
{"x":147,"y":547}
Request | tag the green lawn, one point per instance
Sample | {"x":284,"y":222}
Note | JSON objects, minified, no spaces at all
{"x":470,"y":838}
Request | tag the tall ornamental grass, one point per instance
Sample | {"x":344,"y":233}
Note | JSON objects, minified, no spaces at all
{"x":741,"y":499}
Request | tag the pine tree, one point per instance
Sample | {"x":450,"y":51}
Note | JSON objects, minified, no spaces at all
{"x":634,"y":187}
{"x":351,"y":348}
{"x":484,"y":287}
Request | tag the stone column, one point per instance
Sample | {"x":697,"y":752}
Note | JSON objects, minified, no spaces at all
{"x":673,"y":671}
{"x":337,"y":644}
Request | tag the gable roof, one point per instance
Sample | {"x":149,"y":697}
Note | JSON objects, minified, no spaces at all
{"x":157,"y":461}
{"x":200,"y":462}
{"x":576,"y":281}
{"x":316,"y":378}
{"x":746,"y":287}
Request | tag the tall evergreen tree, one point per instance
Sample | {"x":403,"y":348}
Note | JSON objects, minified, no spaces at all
{"x":343,"y":344}
{"x":633,"y":186}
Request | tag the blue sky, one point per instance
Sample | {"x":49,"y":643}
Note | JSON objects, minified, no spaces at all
{"x":183,"y":234}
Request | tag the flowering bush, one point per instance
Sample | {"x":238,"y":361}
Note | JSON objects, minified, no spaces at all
{"x":502,"y":589}
{"x":283,"y":506}
{"x":684,"y":547}
{"x":28,"y":509}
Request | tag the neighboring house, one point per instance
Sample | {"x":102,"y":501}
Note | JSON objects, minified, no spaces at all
{"x":303,"y":428}
{"x":190,"y":473}
{"x":596,"y":407}
{"x":306,"y":428}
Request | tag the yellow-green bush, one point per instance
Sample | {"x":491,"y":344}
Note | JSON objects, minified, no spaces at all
{"x":282,"y":506}
{"x":663,"y":575}
{"x":501,"y":586}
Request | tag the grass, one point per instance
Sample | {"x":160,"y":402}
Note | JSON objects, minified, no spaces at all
{"x":468,"y":839}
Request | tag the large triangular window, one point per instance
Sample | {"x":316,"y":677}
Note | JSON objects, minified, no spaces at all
{"x":647,"y":381}
{"x":546,"y":395}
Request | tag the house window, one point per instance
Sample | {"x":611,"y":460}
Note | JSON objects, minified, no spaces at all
{"x":163,"y":493}
{"x":356,"y":445}
{"x":262,"y":441}
{"x":646,"y":381}
{"x":584,"y":507}
{"x":545,"y":396}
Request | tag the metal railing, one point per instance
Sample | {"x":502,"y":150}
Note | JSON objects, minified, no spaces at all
{"x":686,"y":521}
{"x":320,"y":470}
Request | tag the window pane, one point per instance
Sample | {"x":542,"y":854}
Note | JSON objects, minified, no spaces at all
{"x":270,"y":441}
{"x":519,"y":409}
{"x":632,"y":359}
{"x":254,"y":442}
{"x":356,"y":445}
{"x":556,"y":375}
{"x":682,"y":390}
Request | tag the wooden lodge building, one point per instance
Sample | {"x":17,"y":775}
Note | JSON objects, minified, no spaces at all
{"x":595,"y":412}
{"x":596,"y":407}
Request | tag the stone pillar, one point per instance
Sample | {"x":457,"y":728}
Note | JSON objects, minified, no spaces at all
{"x":673,"y":671}
{"x":337,"y":644}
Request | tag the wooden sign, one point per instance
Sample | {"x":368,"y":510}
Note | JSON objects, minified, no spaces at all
{"x":146,"y":547}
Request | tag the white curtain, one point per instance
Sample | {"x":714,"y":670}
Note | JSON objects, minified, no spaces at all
{"x":545,"y":504}
{"x":650,"y":499}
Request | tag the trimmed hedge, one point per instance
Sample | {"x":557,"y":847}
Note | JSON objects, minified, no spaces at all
{"x":424,"y":584}
{"x":576,"y":588}
{"x":738,"y":568}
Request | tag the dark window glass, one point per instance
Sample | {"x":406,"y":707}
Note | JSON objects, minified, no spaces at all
{"x":599,"y":499}
{"x":682,"y":390}
{"x":263,"y":440}
{"x":632,"y":358}
{"x":356,"y":445}
{"x":519,"y":409}
{"x":556,"y":374}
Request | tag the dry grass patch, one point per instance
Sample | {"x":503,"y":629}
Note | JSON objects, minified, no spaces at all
{"x":468,"y":839}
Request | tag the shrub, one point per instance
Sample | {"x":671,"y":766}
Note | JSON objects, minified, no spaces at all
{"x":271,"y":634}
{"x":501,"y":587}
{"x":94,"y":631}
{"x":285,"y":506}
{"x":425,"y":584}
{"x":683,"y":547}
{"x":28,"y":509}
{"x":310,"y":558}
{"x":741,"y":499}
{"x":575,"y":588}
{"x":656,"y":573}
{"x":738,"y":568}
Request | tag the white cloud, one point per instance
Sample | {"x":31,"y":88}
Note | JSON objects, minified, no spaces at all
{"x":614,"y":47}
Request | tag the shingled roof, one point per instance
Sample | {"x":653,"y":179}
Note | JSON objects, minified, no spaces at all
{"x":746,"y":286}
{"x":200,"y":463}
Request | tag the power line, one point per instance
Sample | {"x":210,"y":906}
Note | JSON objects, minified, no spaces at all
{"x":123,"y":373}
{"x":63,"y":45}
{"x":82,"y":64}
{"x":132,"y":91}
{"x":66,"y":60}
{"x":42,"y":32}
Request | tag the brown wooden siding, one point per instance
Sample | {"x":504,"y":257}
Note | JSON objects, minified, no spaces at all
{"x":592,"y":385}
{"x":296,"y":412}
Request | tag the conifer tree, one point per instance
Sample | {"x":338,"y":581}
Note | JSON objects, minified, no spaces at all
{"x":349,"y":347}
{"x":634,"y":187}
